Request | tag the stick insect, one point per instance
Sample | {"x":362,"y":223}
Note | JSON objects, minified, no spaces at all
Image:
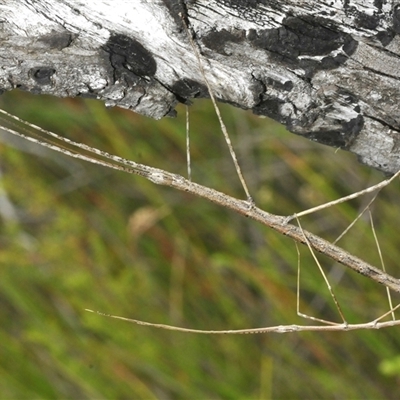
{"x":93,"y":155}
{"x":245,"y":207}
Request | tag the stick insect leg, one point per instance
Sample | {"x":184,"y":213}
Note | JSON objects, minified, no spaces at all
{"x":336,"y":302}
{"x":188,"y":160}
{"x":371,"y":189}
{"x":217,"y":111}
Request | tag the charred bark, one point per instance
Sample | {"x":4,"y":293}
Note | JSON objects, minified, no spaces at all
{"x":329,"y":71}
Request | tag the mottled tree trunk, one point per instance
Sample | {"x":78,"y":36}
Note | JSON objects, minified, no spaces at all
{"x":329,"y":71}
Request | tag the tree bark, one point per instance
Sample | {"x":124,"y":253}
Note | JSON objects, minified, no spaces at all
{"x":329,"y":71}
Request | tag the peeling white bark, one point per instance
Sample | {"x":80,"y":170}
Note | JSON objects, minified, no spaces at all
{"x":328,"y":70}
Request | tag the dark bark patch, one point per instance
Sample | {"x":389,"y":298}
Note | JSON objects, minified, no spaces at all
{"x":333,"y":138}
{"x":366,"y":21}
{"x":294,"y":44}
{"x":350,"y":45}
{"x":385,"y":37}
{"x":216,"y":40}
{"x":310,"y":35}
{"x":300,"y":39}
{"x":396,"y":20}
{"x":271,"y":108}
{"x":129,"y":58}
{"x":57,"y":40}
{"x":88,"y":95}
{"x":287,"y":86}
{"x":333,"y":62}
{"x":188,"y":89}
{"x":353,"y":127}
{"x":378,"y":4}
{"x":342,"y":134}
{"x":42,"y":75}
{"x":340,"y":138}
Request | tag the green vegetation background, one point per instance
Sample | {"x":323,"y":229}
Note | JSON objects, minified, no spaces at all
{"x":76,"y":236}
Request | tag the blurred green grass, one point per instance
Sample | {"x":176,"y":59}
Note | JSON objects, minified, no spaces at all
{"x":76,"y":236}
